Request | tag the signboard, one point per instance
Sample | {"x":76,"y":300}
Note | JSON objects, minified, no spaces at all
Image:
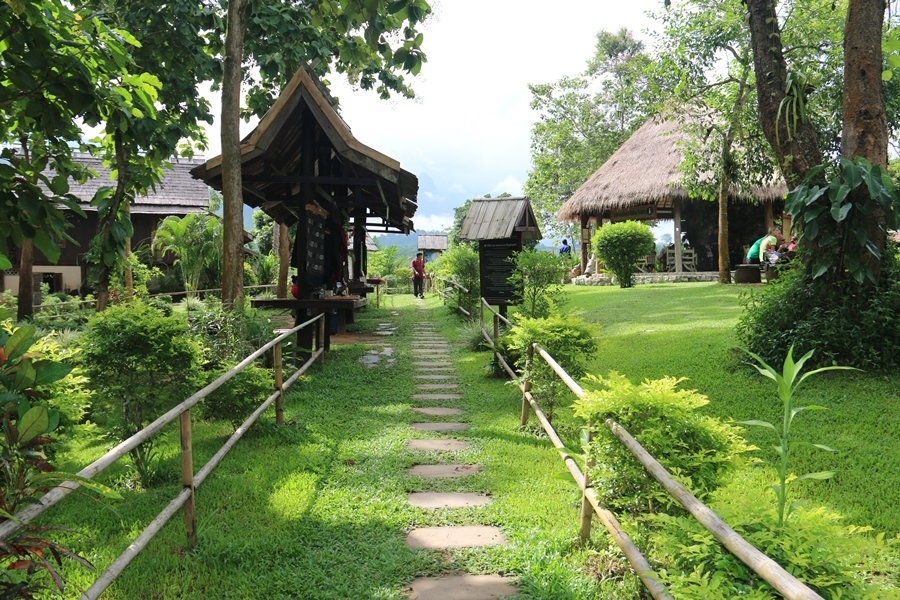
{"x":646,"y":212}
{"x":315,"y":244}
{"x":495,"y":269}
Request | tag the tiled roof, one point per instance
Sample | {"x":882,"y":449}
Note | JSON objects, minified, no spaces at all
{"x":178,"y":193}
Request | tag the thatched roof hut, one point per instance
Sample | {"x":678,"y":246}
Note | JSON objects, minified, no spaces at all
{"x":642,"y":179}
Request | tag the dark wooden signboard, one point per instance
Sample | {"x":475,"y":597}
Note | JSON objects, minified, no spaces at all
{"x":315,"y":244}
{"x":495,"y":269}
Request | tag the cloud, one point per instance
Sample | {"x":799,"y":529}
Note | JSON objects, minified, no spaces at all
{"x":433,"y":222}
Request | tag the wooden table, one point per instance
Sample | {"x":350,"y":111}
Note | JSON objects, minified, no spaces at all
{"x":305,"y":308}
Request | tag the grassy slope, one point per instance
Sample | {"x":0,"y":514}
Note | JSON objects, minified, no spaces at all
{"x":317,"y":509}
{"x":687,"y":330}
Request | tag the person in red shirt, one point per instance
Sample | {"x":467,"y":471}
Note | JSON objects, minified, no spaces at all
{"x":418,"y":272}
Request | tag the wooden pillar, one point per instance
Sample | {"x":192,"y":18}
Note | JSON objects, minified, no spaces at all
{"x":279,"y":385}
{"x":587,"y":511}
{"x":786,"y":224}
{"x":526,"y":387}
{"x":187,"y":477}
{"x":768,"y":214}
{"x":676,"y":208}
{"x":585,"y":244}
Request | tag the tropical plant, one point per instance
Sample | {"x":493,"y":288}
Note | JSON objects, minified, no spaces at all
{"x":566,"y":338}
{"x":787,"y":384}
{"x":239,"y":396}
{"x":266,"y":268}
{"x":699,"y":451}
{"x":536,"y":278}
{"x":620,"y":245}
{"x":140,"y":364}
{"x":25,"y":470}
{"x":194,"y":239}
{"x":460,"y":263}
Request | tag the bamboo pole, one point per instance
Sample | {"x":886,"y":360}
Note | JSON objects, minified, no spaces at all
{"x":320,"y":338}
{"x":526,"y":386}
{"x":187,"y":477}
{"x":279,"y":402}
{"x":587,"y":511}
{"x":28,"y":514}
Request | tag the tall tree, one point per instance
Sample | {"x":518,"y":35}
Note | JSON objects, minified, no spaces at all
{"x":583,"y":120}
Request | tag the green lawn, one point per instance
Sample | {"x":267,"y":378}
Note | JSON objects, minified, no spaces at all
{"x":687,"y":330}
{"x":317,"y":509}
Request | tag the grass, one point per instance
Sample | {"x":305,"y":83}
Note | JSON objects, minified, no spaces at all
{"x":687,"y":330}
{"x":317,"y":509}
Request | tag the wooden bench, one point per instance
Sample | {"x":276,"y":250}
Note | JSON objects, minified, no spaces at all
{"x":747,"y":274}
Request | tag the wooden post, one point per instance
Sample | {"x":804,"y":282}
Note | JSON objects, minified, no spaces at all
{"x":526,"y":387}
{"x":677,"y":216}
{"x":187,"y":477}
{"x":585,"y":245}
{"x":496,"y":329}
{"x":320,"y":338}
{"x":587,"y":511}
{"x":279,"y":385}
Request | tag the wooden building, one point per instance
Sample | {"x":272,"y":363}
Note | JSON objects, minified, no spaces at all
{"x":177,"y":194}
{"x":432,"y":245}
{"x":302,"y":165}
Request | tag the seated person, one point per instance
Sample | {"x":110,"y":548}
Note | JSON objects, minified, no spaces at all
{"x":753,"y":253}
{"x":768,"y":248}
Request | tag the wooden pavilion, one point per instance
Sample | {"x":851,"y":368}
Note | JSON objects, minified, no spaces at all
{"x":642,"y":181}
{"x":302,"y":165}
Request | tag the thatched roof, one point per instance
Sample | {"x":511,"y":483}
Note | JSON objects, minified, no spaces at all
{"x":644,"y":171}
{"x":499,"y":218}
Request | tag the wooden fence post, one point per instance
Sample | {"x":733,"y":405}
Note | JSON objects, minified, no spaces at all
{"x":187,"y":477}
{"x":320,"y":338}
{"x":496,"y":329}
{"x":279,"y":385}
{"x":587,"y":511}
{"x":526,"y":387}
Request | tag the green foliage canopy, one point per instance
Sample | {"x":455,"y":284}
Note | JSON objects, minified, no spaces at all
{"x":620,"y":245}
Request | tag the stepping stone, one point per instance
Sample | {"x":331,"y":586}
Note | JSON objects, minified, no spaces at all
{"x":464,"y":536}
{"x":437,"y":411}
{"x":436,"y":396}
{"x":437,"y":386}
{"x":438,"y":445}
{"x":441,"y":376}
{"x":442,"y":471}
{"x":430,"y":354}
{"x":434,"y":370}
{"x":432,"y":363}
{"x":447,"y":499}
{"x":439,"y":426}
{"x":461,"y":587}
{"x":430,"y":342}
{"x":383,"y":333}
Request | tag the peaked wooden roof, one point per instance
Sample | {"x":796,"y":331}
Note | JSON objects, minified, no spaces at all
{"x":499,"y":218}
{"x":432,"y":242}
{"x":645,"y":170}
{"x":347,"y":172}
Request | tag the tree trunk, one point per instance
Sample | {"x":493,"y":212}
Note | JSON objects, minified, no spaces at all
{"x":129,"y":274}
{"x":724,"y":266}
{"x":865,"y":124}
{"x":104,"y":227}
{"x":795,"y":144}
{"x":25,"y":303}
{"x":232,"y":197}
{"x":284,"y":259}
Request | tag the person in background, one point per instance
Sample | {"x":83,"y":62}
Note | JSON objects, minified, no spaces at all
{"x":418,"y":275}
{"x":295,"y":288}
{"x":768,"y":248}
{"x":753,"y":252}
{"x":565,"y":249}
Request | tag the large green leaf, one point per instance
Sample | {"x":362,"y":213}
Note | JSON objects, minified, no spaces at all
{"x":50,"y":372}
{"x":19,"y":342}
{"x":34,"y":423}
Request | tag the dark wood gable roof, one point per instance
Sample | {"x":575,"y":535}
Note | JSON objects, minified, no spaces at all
{"x":359,"y":180}
{"x":499,"y":218}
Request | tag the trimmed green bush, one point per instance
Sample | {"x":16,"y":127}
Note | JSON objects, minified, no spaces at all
{"x":140,"y":365}
{"x":697,"y":450}
{"x":239,"y":396}
{"x":847,"y":324}
{"x":620,"y":245}
{"x":537,"y":278}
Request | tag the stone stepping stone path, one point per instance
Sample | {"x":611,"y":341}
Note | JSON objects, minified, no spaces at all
{"x":461,"y":587}
{"x":438,"y":445}
{"x":434,"y":375}
{"x":435,"y":411}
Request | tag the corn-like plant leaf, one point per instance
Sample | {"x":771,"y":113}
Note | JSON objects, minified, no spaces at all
{"x":818,"y":475}
{"x":59,"y":477}
{"x":758,"y":423}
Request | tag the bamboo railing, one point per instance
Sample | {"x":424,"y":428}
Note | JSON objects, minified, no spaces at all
{"x":447,"y":295}
{"x":185,"y":499}
{"x":769,"y":570}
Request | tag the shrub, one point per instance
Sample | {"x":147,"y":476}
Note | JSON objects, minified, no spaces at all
{"x":460,"y":263}
{"x":228,"y":335}
{"x":566,"y":338}
{"x":141,"y":364}
{"x":620,"y":245}
{"x":814,"y":545}
{"x":71,"y":395}
{"x":848,"y":323}
{"x":537,"y":277}
{"x":239,"y":396}
{"x":697,"y":450}
{"x":161,"y":303}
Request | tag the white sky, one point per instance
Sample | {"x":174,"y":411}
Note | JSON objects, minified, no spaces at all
{"x":468,"y":132}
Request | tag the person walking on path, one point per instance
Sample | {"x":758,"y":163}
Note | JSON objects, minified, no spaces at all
{"x":418,"y":275}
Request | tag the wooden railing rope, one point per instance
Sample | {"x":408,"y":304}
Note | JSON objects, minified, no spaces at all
{"x":49,"y":499}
